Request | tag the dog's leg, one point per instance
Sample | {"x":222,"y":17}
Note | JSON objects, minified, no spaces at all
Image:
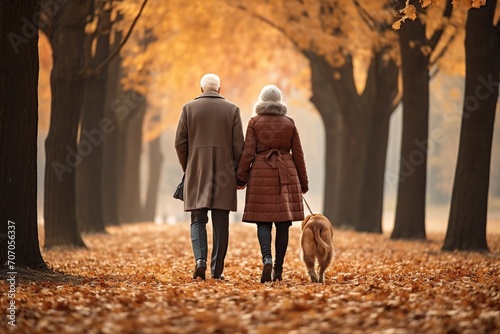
{"x":309,"y":261}
{"x":308,"y":253}
{"x":324,"y":265}
{"x":321,"y":276}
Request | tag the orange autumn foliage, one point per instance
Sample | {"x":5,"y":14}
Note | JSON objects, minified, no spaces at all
{"x":196,"y":37}
{"x":191,"y":39}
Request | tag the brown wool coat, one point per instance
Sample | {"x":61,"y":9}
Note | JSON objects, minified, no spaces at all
{"x":209,"y":142}
{"x":272,"y":165}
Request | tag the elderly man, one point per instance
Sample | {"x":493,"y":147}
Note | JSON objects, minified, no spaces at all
{"x":209,"y":142}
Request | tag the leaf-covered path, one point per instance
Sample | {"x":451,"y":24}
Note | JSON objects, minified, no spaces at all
{"x":137,"y":279}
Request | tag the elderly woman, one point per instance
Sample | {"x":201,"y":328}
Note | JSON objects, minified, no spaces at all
{"x":273,"y":169}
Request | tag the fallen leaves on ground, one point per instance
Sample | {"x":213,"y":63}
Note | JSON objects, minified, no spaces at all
{"x":137,"y":279}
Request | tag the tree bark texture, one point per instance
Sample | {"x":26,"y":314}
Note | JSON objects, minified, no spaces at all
{"x":384,"y":81}
{"x":130,"y":144}
{"x":63,"y":155}
{"x":155,"y":163}
{"x":354,"y":130}
{"x":113,"y":111}
{"x":19,"y":66}
{"x":410,"y":208}
{"x":93,"y":128}
{"x":355,"y":160}
{"x":324,"y":99}
{"x":469,"y":203}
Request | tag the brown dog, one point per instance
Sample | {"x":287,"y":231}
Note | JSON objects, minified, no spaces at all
{"x":317,"y":244}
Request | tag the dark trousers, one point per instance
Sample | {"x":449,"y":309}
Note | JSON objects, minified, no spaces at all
{"x":220,"y":224}
{"x":281,"y":242}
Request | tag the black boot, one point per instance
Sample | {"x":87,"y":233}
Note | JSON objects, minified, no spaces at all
{"x":277,"y":273}
{"x":267,"y":269}
{"x":199,"y":270}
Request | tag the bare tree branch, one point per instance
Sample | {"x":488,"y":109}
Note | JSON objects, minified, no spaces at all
{"x":369,"y":20}
{"x":434,"y":40}
{"x":269,"y":22}
{"x":434,"y":73}
{"x":105,"y":63}
{"x":435,"y":60}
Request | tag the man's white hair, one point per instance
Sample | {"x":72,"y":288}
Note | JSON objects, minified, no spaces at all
{"x":209,"y":82}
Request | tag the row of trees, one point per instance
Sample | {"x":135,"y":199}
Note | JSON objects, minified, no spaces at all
{"x":98,"y":110}
{"x":83,"y":52}
{"x":84,"y":124}
{"x":356,"y":123}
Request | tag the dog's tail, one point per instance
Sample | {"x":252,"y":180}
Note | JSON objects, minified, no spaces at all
{"x":321,"y":243}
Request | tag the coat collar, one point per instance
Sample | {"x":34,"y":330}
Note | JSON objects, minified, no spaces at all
{"x":270,"y":107}
{"x":209,"y":93}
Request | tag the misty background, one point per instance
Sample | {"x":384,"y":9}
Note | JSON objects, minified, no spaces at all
{"x":445,"y":107}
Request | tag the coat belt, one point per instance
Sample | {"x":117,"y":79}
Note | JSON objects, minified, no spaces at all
{"x":273,"y":159}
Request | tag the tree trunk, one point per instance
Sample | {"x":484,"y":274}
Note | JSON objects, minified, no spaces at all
{"x":112,"y":111}
{"x":348,"y":119}
{"x":324,"y":99}
{"x":357,"y":129}
{"x":155,"y":163}
{"x":355,"y":121}
{"x":130,"y":207}
{"x":92,"y":129}
{"x":332,"y":169}
{"x":372,"y":194}
{"x":353,"y":148}
{"x":469,"y":202}
{"x":63,"y":155}
{"x":18,"y":136}
{"x":410,"y":208}
{"x":385,"y":83}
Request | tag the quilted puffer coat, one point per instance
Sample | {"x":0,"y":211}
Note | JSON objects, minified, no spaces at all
{"x":272,"y":166}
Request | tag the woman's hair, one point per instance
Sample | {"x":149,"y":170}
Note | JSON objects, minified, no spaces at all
{"x":209,"y":82}
{"x":270,"y":93}
{"x":270,"y":102}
